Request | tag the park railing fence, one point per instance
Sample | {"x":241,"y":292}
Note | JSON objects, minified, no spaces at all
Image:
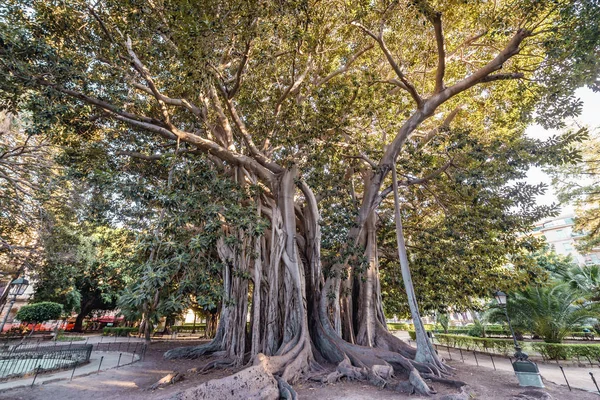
{"x":27,"y":358}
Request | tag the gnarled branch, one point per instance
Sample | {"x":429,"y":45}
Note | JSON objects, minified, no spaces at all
{"x":388,"y":55}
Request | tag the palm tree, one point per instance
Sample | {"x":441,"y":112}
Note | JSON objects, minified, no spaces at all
{"x":550,"y":312}
{"x":586,"y":280}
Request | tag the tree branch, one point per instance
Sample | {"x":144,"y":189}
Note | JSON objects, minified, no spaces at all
{"x":343,"y":69}
{"x":171,"y":101}
{"x":445,"y":125}
{"x":97,"y":102}
{"x":436,"y":20}
{"x":363,"y":157}
{"x":240,"y":71}
{"x":415,"y":181}
{"x":102,"y":25}
{"x":502,"y":77}
{"x":388,"y":55}
{"x":511,"y":49}
{"x":137,"y":64}
{"x":294,"y":86}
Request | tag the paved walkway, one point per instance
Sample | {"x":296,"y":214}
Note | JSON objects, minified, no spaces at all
{"x":109,"y":360}
{"x":578,"y":377}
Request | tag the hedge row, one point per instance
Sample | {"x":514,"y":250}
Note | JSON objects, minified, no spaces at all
{"x":467,"y":330}
{"x":502,"y":346}
{"x":560,"y":351}
{"x":550,"y":351}
{"x":118,"y":331}
{"x":400,"y":326}
{"x":187,"y":328}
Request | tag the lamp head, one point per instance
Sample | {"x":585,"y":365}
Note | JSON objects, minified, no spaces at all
{"x":500,"y":298}
{"x":18,"y":286}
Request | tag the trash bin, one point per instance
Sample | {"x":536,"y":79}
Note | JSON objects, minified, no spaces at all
{"x":528,"y":374}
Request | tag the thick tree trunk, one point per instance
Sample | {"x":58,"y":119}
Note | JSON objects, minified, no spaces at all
{"x":289,"y":291}
{"x":283,"y":338}
{"x":84,"y":312}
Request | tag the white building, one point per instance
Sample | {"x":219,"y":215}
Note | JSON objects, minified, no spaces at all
{"x":559,"y":234}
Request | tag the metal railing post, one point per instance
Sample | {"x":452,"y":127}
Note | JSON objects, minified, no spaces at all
{"x":99,"y":365}
{"x":594,"y":380}
{"x":74,"y":367}
{"x":37,"y":371}
{"x":565,"y":376}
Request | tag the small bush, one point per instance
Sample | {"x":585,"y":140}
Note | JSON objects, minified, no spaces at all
{"x":39,"y":312}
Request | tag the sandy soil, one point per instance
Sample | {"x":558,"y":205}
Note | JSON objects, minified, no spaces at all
{"x":132,"y":383}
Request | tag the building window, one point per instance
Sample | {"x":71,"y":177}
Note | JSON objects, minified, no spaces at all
{"x":562,"y":234}
{"x":568,"y":247}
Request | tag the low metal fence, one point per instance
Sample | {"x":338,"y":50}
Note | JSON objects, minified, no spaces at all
{"x":24,"y":359}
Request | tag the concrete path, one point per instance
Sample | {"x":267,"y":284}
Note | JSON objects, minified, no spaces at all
{"x":109,"y":360}
{"x":578,"y":377}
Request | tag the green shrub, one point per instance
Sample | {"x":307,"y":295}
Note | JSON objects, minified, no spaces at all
{"x":559,"y":351}
{"x":494,"y":331}
{"x":40,"y":312}
{"x":397,"y":326}
{"x":187,"y":328}
{"x":118,"y":331}
{"x":476,"y":331}
{"x":61,"y":338}
{"x":413,"y":335}
{"x":502,"y":346}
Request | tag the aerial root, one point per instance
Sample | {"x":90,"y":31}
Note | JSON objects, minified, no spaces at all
{"x":216,"y":364}
{"x":255,"y":383}
{"x":286,"y":391}
{"x":169,"y":379}
{"x":191,"y":352}
{"x":419,"y":385}
{"x":450,"y":382}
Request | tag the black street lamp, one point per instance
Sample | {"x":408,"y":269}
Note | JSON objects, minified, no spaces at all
{"x":501,"y":299}
{"x":16,"y":288}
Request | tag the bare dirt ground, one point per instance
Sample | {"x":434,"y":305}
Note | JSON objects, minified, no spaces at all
{"x":133,"y":382}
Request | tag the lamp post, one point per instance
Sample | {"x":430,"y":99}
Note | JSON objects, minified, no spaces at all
{"x":501,"y":299}
{"x":527,"y":372}
{"x":16,"y":288}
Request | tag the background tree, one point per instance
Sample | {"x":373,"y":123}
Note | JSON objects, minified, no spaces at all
{"x":554,"y":308}
{"x":27,"y":175}
{"x":579,"y":184}
{"x":85,"y":267}
{"x":550,"y":312}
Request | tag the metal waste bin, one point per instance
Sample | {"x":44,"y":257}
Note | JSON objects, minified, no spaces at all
{"x":528,"y":374}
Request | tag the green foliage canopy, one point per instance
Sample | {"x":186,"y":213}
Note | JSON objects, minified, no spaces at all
{"x":40,"y":312}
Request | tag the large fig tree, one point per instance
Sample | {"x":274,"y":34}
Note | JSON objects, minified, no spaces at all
{"x":285,"y":96}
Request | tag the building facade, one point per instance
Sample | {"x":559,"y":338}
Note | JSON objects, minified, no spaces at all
{"x":559,"y":233}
